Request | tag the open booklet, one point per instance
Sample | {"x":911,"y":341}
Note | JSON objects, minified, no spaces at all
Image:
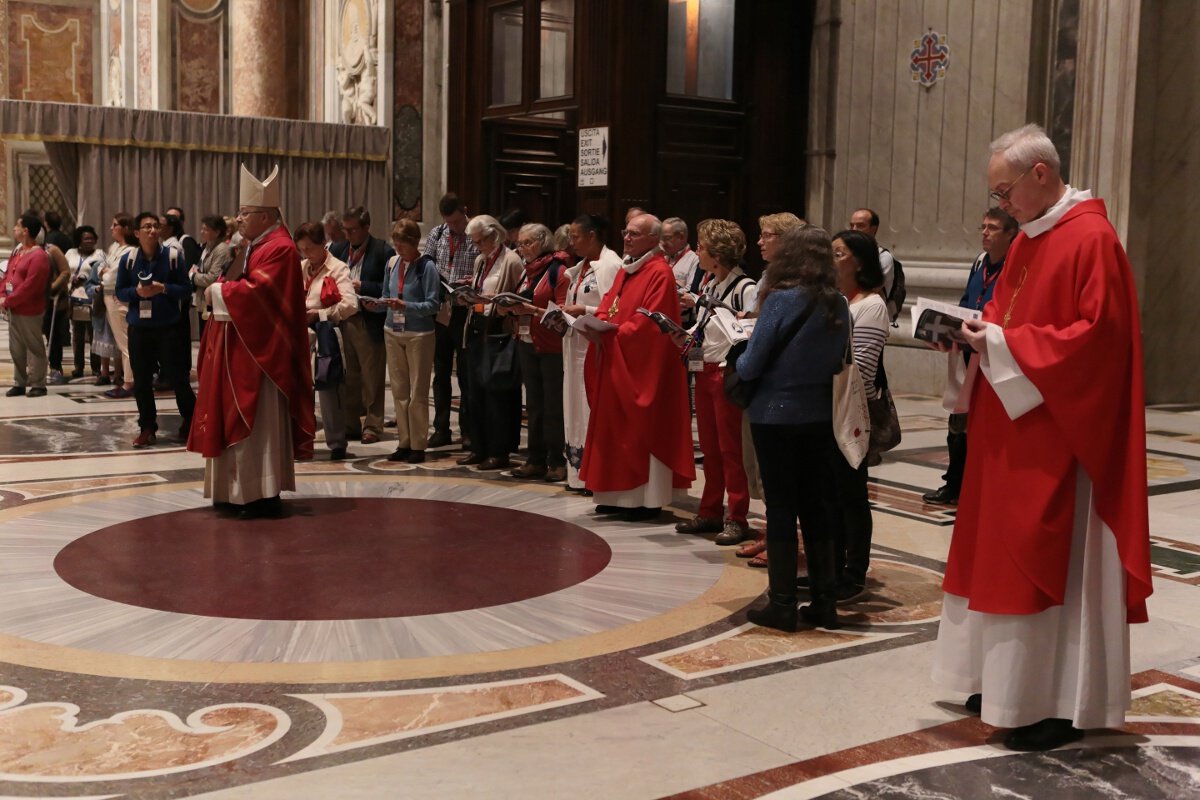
{"x":940,"y":323}
{"x":664,"y":323}
{"x":471,"y":297}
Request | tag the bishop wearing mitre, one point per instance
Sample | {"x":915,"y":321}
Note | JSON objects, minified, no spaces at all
{"x":254,"y":411}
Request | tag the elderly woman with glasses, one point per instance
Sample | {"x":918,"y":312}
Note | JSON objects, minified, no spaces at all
{"x":541,"y":352}
{"x":495,"y":397}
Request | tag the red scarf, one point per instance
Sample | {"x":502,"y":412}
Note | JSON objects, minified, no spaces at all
{"x":535,"y":268}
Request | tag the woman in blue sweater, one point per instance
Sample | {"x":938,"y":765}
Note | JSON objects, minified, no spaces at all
{"x":791,"y":420}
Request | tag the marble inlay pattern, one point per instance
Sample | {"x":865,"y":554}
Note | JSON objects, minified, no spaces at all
{"x":1175,"y":560}
{"x":50,"y":52}
{"x":362,"y":719}
{"x":749,"y":646}
{"x":45,"y":742}
{"x":39,"y":489}
{"x":1164,"y":702}
{"x":906,"y":502}
{"x":900,"y":594}
{"x":643,"y":579}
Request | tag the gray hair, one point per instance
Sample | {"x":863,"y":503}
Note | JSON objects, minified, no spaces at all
{"x":562,"y":237}
{"x":655,"y":225}
{"x":1026,"y":146}
{"x":539,"y":233}
{"x":486,"y":227}
{"x":675,"y":225}
{"x":332,"y":218}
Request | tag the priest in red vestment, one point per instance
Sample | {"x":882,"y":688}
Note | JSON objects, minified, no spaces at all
{"x":1050,"y":557}
{"x":639,"y":440}
{"x":254,"y":413}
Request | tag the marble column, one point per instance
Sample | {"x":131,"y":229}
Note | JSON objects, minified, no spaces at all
{"x":258,"y":38}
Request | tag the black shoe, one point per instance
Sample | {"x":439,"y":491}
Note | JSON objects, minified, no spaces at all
{"x":974,"y":704}
{"x":492,"y":463}
{"x":641,"y":514}
{"x":778,"y":615}
{"x":941,"y":497}
{"x":439,"y":439}
{"x":416,"y":457}
{"x":401,"y":454}
{"x":37,"y":391}
{"x":470,"y":460}
{"x":820,"y":615}
{"x":1045,"y":735}
{"x":268,"y":507}
{"x":338,"y":454}
{"x":15,"y":391}
{"x":611,"y":509}
{"x":389,"y":423}
{"x":847,"y":593}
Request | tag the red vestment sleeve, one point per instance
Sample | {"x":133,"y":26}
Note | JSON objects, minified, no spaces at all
{"x":267,"y":335}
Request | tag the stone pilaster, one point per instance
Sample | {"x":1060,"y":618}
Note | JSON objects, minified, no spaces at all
{"x":258,"y":35}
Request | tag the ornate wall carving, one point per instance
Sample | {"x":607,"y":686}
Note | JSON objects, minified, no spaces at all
{"x":357,"y":62}
{"x":52,"y":51}
{"x":199,"y":69}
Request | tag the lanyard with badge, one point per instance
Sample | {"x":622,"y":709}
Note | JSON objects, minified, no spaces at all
{"x":398,"y":313}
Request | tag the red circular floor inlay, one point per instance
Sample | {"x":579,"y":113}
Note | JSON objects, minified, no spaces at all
{"x":334,"y":558}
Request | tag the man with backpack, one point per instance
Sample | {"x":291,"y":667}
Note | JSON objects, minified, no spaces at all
{"x":867,"y":221}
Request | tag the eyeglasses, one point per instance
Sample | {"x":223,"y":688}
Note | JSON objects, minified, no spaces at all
{"x":632,"y":234}
{"x":151,"y":226}
{"x":526,"y":243}
{"x":993,"y":228}
{"x":767,"y":235}
{"x":1002,"y":195}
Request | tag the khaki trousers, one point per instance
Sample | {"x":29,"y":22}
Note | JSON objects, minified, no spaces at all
{"x":28,"y":350}
{"x":362,"y":390}
{"x":118,"y":323}
{"x":410,"y":366}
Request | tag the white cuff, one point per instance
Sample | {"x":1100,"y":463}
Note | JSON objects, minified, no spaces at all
{"x":1016,"y":392}
{"x":219,"y":311}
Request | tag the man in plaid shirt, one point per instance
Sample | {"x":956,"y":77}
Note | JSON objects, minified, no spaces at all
{"x":455,"y":254}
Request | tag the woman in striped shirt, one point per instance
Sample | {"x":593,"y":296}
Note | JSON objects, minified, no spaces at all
{"x":860,"y":278}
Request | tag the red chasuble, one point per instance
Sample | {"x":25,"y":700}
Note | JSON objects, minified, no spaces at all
{"x":637,"y":388}
{"x":1075,"y":333}
{"x":267,"y":334}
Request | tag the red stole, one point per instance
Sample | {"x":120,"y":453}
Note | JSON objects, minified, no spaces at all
{"x":268,"y":334}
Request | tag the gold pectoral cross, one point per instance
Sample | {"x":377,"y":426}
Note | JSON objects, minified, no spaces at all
{"x":612,"y":310}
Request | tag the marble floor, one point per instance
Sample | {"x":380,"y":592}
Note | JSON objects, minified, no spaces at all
{"x":430,"y":631}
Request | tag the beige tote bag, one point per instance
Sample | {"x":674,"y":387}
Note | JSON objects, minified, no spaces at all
{"x":851,"y":417}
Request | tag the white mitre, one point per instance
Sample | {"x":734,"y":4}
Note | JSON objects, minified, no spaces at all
{"x":260,"y":194}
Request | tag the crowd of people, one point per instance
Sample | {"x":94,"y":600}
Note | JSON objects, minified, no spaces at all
{"x":614,"y":353}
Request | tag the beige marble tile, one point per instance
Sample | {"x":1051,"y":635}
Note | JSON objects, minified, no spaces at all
{"x":367,"y":718}
{"x":44,"y":742}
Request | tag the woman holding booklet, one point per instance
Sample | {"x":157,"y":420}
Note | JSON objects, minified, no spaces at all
{"x":495,"y":413}
{"x":540,"y":352}
{"x":588,"y":281}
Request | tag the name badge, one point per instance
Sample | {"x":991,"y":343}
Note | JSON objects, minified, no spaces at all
{"x":145,"y":309}
{"x":696,"y":359}
{"x":477,"y":308}
{"x":398,"y":322}
{"x":523,"y":325}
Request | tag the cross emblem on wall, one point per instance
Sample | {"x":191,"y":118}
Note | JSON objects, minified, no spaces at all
{"x":930,"y":58}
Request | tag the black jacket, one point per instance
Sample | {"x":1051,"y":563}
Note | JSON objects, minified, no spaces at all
{"x":373,"y":265}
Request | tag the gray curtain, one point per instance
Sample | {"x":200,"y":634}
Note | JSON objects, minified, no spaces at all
{"x":116,"y":159}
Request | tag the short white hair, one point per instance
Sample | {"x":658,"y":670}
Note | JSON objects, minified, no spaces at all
{"x":537,"y":232}
{"x":487,"y":228}
{"x":1026,"y":146}
{"x":674,"y":225}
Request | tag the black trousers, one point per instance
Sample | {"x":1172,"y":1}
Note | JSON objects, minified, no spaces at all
{"x":956,"y":445}
{"x":57,"y":338}
{"x":151,"y":345}
{"x":853,"y":552}
{"x":495,"y":418}
{"x":542,"y":375}
{"x":797,"y":466}
{"x":448,"y":346}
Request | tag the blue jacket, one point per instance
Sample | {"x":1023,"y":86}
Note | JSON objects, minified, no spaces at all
{"x":422,"y":293}
{"x":168,"y":268}
{"x":797,"y":387}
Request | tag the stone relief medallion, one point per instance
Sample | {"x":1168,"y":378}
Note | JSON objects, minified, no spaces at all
{"x":357,"y":60}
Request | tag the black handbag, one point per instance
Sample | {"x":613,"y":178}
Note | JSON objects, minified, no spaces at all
{"x":328,"y":370}
{"x":501,"y":370}
{"x":885,"y":422}
{"x":740,"y":391}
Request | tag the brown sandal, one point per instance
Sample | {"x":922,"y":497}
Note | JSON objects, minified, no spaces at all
{"x":759,"y":561}
{"x":753,"y":547}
